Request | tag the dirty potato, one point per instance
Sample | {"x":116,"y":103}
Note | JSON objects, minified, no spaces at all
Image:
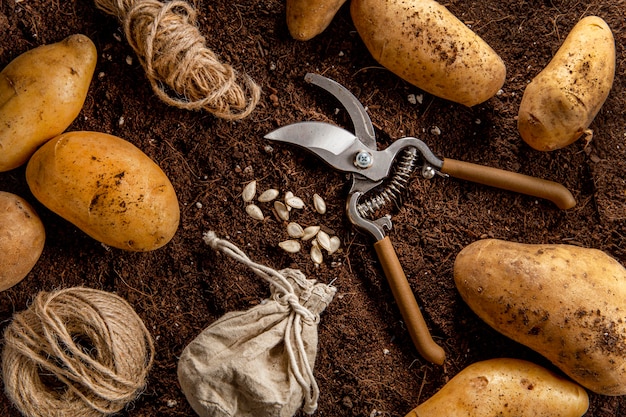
{"x":41,"y":93}
{"x":308,"y":18}
{"x":107,"y":187}
{"x":22,"y":238}
{"x":426,"y":45}
{"x":566,"y":302}
{"x":563,"y":99}
{"x":505,"y":387}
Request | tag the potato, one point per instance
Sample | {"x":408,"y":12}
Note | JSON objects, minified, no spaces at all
{"x":308,"y":18}
{"x":41,"y":93}
{"x":106,"y":187}
{"x":22,"y":238}
{"x":427,"y":46}
{"x":566,"y":302}
{"x":505,"y":387}
{"x":563,"y":99}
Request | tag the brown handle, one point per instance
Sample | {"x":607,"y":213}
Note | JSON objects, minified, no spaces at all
{"x":510,"y":181}
{"x":405,"y":299}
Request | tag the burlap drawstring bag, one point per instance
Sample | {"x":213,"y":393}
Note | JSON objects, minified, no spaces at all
{"x":259,"y":362}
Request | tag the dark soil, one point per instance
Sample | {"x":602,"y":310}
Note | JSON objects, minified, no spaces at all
{"x":366,"y":363}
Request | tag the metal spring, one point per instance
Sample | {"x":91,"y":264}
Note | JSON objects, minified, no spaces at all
{"x":393,"y":190}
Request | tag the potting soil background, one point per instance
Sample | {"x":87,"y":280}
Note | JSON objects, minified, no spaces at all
{"x":366,"y":364}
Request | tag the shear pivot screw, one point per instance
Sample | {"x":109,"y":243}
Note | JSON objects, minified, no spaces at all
{"x":363,"y":160}
{"x":428,"y":172}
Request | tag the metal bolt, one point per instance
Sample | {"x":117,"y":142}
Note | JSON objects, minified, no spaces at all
{"x":363,"y":159}
{"x":428,"y":172}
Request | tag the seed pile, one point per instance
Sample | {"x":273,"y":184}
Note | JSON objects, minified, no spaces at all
{"x":320,"y":240}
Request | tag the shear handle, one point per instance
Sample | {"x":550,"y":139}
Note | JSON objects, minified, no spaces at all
{"x":400,"y":288}
{"x":510,"y":181}
{"x":407,"y":304}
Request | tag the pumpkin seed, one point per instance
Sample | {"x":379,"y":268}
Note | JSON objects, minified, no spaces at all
{"x":335,"y":243}
{"x":316,"y":254}
{"x":324,"y":240}
{"x":295,"y":230}
{"x":268,"y":195}
{"x":310,"y":232}
{"x":288,"y":195}
{"x":319,"y":204}
{"x":295,"y":202}
{"x":291,"y":246}
{"x":254,"y":211}
{"x":249,"y":191}
{"x":281,"y":210}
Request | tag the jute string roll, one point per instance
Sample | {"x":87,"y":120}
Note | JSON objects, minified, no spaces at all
{"x":75,"y":352}
{"x":182,"y":70}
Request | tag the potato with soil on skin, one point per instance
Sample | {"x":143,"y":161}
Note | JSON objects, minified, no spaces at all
{"x":566,"y":302}
{"x":561,"y":102}
{"x":106,"y":187}
{"x":41,"y":93}
{"x":505,"y":387}
{"x":426,"y":45}
{"x":22,"y":239}
{"x":308,"y":18}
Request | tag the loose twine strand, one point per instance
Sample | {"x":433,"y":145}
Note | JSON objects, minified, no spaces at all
{"x":301,"y":369}
{"x":75,"y":352}
{"x":182,"y":70}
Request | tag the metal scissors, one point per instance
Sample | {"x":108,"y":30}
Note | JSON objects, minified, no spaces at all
{"x":380,"y":176}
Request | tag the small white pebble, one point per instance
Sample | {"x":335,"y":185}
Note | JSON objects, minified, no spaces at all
{"x":249,"y":191}
{"x":121,"y":121}
{"x":435,"y":130}
{"x":386,"y":352}
{"x":129,"y":60}
{"x":411,"y":99}
{"x":254,"y":211}
{"x":199,"y":205}
{"x":172,"y":403}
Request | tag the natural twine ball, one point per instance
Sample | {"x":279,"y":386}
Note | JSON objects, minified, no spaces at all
{"x":182,"y":70}
{"x":76,"y":352}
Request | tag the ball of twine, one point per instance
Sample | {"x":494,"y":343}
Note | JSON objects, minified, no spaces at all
{"x":182,"y":70}
{"x":75,"y":352}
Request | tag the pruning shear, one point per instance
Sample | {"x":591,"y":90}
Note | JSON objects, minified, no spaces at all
{"x":385,"y":173}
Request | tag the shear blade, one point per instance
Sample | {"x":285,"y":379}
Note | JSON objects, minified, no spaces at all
{"x":334,"y":145}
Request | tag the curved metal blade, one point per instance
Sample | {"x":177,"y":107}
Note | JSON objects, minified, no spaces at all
{"x":363,"y":127}
{"x":334,"y":145}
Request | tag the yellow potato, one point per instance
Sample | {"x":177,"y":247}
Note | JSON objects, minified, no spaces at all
{"x":107,"y":187}
{"x":505,"y":387}
{"x":308,"y":18}
{"x":22,"y":238}
{"x":566,"y":302}
{"x":41,"y":93}
{"x":427,"y":46}
{"x":562,"y":100}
